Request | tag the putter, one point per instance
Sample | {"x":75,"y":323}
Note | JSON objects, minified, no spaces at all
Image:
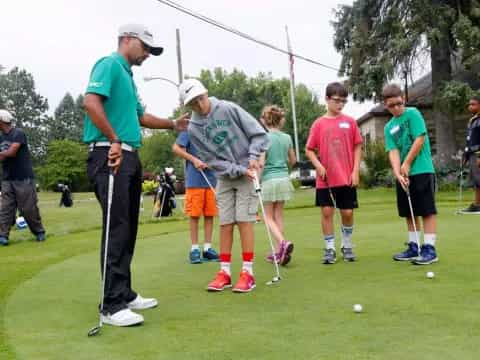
{"x":407,"y":191}
{"x":215,"y":194}
{"x":95,"y":330}
{"x":258,"y":190}
{"x":460,"y":190}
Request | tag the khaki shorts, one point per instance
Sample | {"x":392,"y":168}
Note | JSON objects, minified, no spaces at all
{"x":237,"y":200}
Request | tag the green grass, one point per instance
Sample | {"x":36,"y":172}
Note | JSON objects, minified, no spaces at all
{"x":49,"y":292}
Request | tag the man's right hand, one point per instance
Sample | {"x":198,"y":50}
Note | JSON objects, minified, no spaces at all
{"x":115,"y":157}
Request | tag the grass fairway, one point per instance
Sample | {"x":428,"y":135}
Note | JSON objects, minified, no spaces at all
{"x":49,"y":292}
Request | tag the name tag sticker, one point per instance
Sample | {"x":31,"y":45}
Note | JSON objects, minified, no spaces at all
{"x":344,"y":125}
{"x":394,"y":129}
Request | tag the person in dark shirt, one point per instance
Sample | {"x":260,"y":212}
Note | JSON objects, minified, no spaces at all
{"x":18,"y":186}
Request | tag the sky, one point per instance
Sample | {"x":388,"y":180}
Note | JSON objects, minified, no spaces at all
{"x":58,"y":41}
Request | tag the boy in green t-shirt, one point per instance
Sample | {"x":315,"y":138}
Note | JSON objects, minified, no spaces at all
{"x":408,"y":146}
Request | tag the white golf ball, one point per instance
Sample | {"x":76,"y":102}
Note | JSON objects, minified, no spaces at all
{"x":357,"y":308}
{"x":430,"y":274}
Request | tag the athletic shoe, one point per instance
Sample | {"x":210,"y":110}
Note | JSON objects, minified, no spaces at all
{"x":348,"y":254}
{"x":286,"y":249}
{"x":195,"y":257}
{"x":269,"y":258}
{"x":428,"y":255}
{"x":245,"y":283}
{"x":330,"y":256}
{"x":210,"y":255}
{"x":472,"y":209}
{"x":221,"y":282}
{"x":125,"y":317}
{"x":3,"y":241}
{"x":141,"y":303}
{"x":41,"y":236}
{"x":409,"y":254}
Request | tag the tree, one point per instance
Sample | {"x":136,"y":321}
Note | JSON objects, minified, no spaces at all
{"x":18,"y":95}
{"x":67,"y":123}
{"x":383,"y":39}
{"x":65,"y":163}
{"x":156,"y":153}
{"x":253,"y":94}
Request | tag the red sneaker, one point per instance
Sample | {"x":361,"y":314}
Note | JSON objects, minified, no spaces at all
{"x":245,"y":283}
{"x":222,"y":281}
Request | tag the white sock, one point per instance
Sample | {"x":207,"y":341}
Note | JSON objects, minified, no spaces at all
{"x":412,"y":237}
{"x":347,"y":237}
{"x":429,"y":239}
{"x":207,"y":246}
{"x":329,"y":241}
{"x":248,"y":266}
{"x":225,"y":266}
{"x":195,"y":247}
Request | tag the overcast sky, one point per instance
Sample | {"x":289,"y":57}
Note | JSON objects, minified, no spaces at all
{"x":58,"y":41}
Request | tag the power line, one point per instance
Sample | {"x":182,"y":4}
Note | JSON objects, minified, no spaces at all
{"x":239,"y":33}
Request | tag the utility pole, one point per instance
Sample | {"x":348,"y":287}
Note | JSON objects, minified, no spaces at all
{"x":292,"y":94}
{"x":179,"y":58}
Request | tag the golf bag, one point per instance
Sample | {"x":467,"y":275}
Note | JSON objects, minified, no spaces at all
{"x":164,"y":200}
{"x":66,"y":198}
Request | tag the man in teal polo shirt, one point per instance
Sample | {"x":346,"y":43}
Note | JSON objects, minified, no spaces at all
{"x":112,"y":130}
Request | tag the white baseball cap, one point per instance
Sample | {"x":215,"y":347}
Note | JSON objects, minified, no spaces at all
{"x":5,"y":116}
{"x":142,"y":33}
{"x":190,"y":89}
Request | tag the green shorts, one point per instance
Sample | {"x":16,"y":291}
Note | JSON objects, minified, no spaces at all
{"x":237,"y":200}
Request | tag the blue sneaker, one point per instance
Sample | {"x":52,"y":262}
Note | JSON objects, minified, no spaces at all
{"x":41,"y":236}
{"x":210,"y":255}
{"x":428,"y":255}
{"x":3,"y":241}
{"x":410,"y":254}
{"x":195,"y":257}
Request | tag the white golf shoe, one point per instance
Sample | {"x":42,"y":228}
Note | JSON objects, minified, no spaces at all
{"x":141,"y":303}
{"x":125,"y":317}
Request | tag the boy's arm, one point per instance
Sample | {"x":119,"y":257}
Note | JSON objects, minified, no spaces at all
{"x":292,"y":159}
{"x":321,"y":171}
{"x":180,"y":151}
{"x":394,"y":157}
{"x":357,"y":157}
{"x":227,"y":168}
{"x":412,"y":154}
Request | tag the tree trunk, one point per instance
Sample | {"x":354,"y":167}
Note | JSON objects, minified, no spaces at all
{"x":446,"y":145}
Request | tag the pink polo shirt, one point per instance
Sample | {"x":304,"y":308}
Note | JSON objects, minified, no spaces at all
{"x":334,"y":140}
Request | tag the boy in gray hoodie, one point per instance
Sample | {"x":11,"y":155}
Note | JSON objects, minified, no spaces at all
{"x":230,"y":141}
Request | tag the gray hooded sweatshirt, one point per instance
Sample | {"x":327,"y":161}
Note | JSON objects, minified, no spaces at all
{"x":227,"y":138}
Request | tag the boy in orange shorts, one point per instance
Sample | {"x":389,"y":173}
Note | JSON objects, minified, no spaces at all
{"x":199,"y":199}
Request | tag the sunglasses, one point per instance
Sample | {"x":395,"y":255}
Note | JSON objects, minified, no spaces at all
{"x":338,"y":100}
{"x":395,"y":104}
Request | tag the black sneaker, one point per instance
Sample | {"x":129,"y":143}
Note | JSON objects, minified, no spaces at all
{"x":472,"y":209}
{"x":410,"y":254}
{"x":3,"y":241}
{"x":329,"y":257}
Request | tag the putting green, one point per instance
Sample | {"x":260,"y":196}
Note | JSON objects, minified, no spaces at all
{"x":308,"y":315}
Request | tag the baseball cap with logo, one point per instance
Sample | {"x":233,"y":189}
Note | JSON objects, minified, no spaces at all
{"x":190,"y":89}
{"x":142,"y":33}
{"x":5,"y":116}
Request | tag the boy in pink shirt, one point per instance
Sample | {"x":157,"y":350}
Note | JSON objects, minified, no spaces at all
{"x":334,"y":147}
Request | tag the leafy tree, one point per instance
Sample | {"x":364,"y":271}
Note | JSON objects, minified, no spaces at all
{"x":67,"y":122}
{"x":65,"y":163}
{"x":383,"y":39}
{"x":18,"y":95}
{"x":156,"y":153}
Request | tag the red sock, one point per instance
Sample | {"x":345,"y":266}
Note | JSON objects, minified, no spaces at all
{"x":247,"y":256}
{"x":226,"y":258}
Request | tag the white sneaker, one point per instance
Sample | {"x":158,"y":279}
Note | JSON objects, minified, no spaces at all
{"x":125,"y":317}
{"x":141,"y":303}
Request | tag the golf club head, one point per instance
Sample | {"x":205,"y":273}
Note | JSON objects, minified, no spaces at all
{"x":94,"y":331}
{"x":275,"y":280}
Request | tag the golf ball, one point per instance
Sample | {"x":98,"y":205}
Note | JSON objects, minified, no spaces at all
{"x":430,"y":275}
{"x":357,"y":308}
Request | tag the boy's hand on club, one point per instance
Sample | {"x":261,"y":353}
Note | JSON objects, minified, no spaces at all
{"x":199,"y":164}
{"x":115,"y":157}
{"x":405,"y":170}
{"x":254,"y":165}
{"x":251,"y":174}
{"x":404,"y":181}
{"x":181,"y":123}
{"x":321,"y":171}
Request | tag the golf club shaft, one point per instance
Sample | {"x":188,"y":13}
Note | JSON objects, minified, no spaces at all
{"x":208,"y":182}
{"x":258,"y":190}
{"x":413,"y":219}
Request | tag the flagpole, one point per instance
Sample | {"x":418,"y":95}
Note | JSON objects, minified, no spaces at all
{"x":292,"y":94}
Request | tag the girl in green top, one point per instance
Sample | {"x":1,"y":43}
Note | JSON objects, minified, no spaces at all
{"x":276,"y":185}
